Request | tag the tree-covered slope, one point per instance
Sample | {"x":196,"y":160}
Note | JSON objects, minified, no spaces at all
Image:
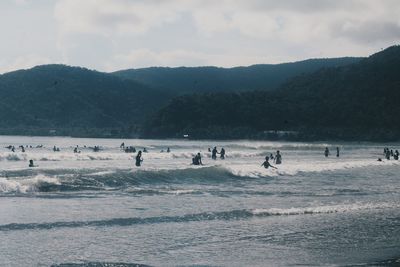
{"x":184,"y":80}
{"x":59,"y":96}
{"x":359,"y":101}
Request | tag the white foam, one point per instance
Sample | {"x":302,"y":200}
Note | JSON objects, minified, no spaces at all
{"x":17,"y":185}
{"x":325,"y":209}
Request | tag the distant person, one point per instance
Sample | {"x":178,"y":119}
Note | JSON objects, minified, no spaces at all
{"x":337,"y":152}
{"x":222,"y":153}
{"x":197,"y":159}
{"x":271,"y":156}
{"x":122,"y":146}
{"x":139,"y":159}
{"x":209,"y":149}
{"x":22,"y":149}
{"x":391,"y":152}
{"x":266,"y":163}
{"x":379,"y":159}
{"x":278,"y":157}
{"x":387,"y":156}
{"x":54,"y":148}
{"x":326,"y":152}
{"x":396,"y":155}
{"x":168,"y":150}
{"x":145,"y":150}
{"x":13,"y":149}
{"x":214,"y":153}
{"x":31,"y":165}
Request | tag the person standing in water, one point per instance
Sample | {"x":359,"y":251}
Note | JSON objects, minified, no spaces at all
{"x":266,"y":163}
{"x":326,"y":152}
{"x":139,"y":159}
{"x":278,"y":158}
{"x":222,"y":153}
{"x":214,"y":153}
{"x":396,"y":155}
{"x":337,"y":152}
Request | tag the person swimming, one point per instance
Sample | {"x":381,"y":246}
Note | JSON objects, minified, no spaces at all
{"x":139,"y":159}
{"x":266,"y":163}
{"x":278,"y":157}
{"x":197,"y":159}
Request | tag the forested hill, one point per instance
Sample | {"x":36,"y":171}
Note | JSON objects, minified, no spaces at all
{"x":359,"y":101}
{"x":184,"y":80}
{"x":72,"y":100}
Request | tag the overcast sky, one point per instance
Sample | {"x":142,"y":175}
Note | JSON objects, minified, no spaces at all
{"x":109,"y":35}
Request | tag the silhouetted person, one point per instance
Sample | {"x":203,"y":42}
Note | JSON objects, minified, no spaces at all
{"x":197,"y":160}
{"x":278,"y":157}
{"x":222,"y":152}
{"x":337,"y":152}
{"x":391,"y":152}
{"x":144,"y":150}
{"x":214,"y":153}
{"x":266,"y":163}
{"x":122,"y":145}
{"x":31,"y":163}
{"x":54,"y":148}
{"x":139,"y":159}
{"x":22,"y":149}
{"x":13,"y":149}
{"x":168,"y":150}
{"x":326,"y":152}
{"x":379,"y":159}
{"x":271,"y":156}
{"x":396,"y":155}
{"x":209,"y":149}
{"x":387,"y":156}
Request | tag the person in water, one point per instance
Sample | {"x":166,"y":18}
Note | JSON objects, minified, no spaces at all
{"x":326,"y":152}
{"x":387,"y":155}
{"x":396,"y":155}
{"x":278,"y":157}
{"x":214,"y":153}
{"x":31,"y":163}
{"x":168,"y":150}
{"x":266,"y":163}
{"x":222,"y":153}
{"x":139,"y":159}
{"x":145,"y":150}
{"x":197,"y":160}
{"x":271,"y":156}
{"x":337,"y":152}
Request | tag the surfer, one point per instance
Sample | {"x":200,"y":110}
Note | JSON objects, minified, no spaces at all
{"x":197,"y":159}
{"x":326,"y":152}
{"x":278,"y":158}
{"x":139,"y":159}
{"x":222,"y":153}
{"x":214,"y":153}
{"x":266,"y":163}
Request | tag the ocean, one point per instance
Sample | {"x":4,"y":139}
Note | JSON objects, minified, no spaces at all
{"x":99,"y":209}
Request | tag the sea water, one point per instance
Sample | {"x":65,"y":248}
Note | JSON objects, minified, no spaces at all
{"x":99,"y":209}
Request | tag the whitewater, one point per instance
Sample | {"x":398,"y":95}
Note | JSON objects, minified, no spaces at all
{"x":99,"y":209}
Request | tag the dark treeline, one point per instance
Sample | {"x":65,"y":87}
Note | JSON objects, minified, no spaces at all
{"x":355,"y":102}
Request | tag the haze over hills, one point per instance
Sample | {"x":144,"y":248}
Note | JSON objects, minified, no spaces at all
{"x":183,"y":80}
{"x":81,"y":102}
{"x":359,"y":101}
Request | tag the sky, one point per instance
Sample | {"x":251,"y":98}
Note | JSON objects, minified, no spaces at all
{"x":110,"y":35}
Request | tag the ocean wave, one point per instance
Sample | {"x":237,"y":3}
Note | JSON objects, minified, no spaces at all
{"x":203,"y":216}
{"x":27,"y":185}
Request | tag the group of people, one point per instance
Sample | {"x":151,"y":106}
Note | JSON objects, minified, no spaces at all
{"x":214,"y":153}
{"x":327,"y":153}
{"x":388,"y":153}
{"x":277,"y":159}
